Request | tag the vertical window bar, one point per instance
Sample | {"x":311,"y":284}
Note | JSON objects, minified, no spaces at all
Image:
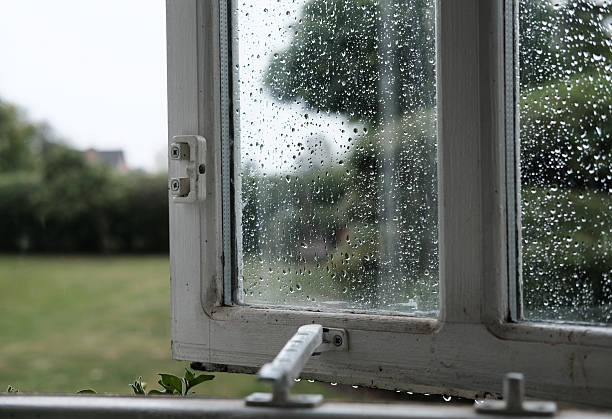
{"x":459,"y":161}
{"x":236,"y":178}
{"x":226,"y":155}
{"x":512,"y":157}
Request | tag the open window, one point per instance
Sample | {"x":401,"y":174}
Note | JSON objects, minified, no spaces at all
{"x":358,"y":167}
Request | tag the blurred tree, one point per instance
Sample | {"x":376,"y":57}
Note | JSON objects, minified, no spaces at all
{"x":537,"y":25}
{"x":16,"y":140}
{"x":566,"y":147}
{"x":567,"y":257}
{"x":566,"y":136}
{"x":250,"y":216}
{"x":73,"y":202}
{"x":559,"y":38}
{"x":412,"y":218}
{"x":342,"y":49}
{"x":20,"y":228}
{"x":138,"y":213}
{"x":51,"y":200}
{"x":352,"y":57}
{"x":374,"y":62}
{"x":566,"y":105}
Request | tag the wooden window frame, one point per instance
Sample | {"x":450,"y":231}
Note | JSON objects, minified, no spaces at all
{"x":473,"y":342}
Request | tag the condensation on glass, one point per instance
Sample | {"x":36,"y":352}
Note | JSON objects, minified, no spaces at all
{"x":566,"y":155}
{"x":338,"y":154}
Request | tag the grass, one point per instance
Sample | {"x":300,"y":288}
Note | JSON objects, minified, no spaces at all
{"x":297,"y":284}
{"x":74,"y":322}
{"x":313,"y":285}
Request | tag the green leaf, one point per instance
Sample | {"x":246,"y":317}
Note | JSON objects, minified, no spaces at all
{"x":185,"y":385}
{"x":156,"y":392}
{"x":197,"y":380}
{"x":137,"y":386}
{"x":189,"y":375}
{"x":171,"y":383}
{"x":167,"y":388}
{"x":86,"y":391}
{"x":200,"y":379}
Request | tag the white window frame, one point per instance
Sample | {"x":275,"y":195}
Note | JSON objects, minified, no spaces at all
{"x":473,"y":342}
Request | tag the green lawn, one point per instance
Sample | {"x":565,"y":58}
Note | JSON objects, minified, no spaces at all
{"x":74,"y":322}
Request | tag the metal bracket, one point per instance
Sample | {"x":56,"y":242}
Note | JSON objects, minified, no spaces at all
{"x":513,"y":404}
{"x":311,"y":339}
{"x":189,"y":152}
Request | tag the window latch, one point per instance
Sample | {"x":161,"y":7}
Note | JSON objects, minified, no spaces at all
{"x":513,"y":404}
{"x":189,"y":153}
{"x":311,"y":339}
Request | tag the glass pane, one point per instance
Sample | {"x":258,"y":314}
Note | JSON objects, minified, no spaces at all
{"x":338,"y":152}
{"x":566,"y":156}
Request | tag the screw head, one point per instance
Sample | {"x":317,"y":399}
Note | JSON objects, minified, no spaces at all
{"x":175,"y":152}
{"x":338,"y":340}
{"x":175,"y":185}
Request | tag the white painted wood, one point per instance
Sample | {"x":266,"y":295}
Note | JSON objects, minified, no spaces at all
{"x":459,"y":359}
{"x":492,"y":180}
{"x":472,"y":345}
{"x":459,"y":162}
{"x":209,"y":124}
{"x":184,"y":219}
{"x":195,"y":233}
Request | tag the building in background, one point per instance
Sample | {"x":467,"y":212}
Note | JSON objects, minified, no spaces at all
{"x":111,"y":158}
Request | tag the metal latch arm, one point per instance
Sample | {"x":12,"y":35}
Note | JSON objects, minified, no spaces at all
{"x":290,"y":361}
{"x":287,"y":366}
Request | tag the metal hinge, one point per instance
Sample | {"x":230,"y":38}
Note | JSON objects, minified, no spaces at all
{"x":189,"y":152}
{"x":311,"y":339}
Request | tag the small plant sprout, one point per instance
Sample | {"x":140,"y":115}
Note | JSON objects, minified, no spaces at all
{"x":171,"y":384}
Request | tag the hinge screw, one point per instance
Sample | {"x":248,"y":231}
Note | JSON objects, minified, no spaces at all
{"x":179,"y":186}
{"x":338,"y":340}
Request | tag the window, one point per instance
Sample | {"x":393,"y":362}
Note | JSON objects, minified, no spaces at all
{"x":565,"y":105}
{"x":338,"y":155}
{"x":473,"y":332}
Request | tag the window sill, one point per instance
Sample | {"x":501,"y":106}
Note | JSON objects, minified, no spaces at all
{"x":85,"y":406}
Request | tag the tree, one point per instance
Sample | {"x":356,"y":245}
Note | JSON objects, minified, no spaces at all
{"x":354,"y":57}
{"x":16,"y":139}
{"x":374,"y":63}
{"x":73,"y":202}
{"x":358,"y":58}
{"x":566,"y":147}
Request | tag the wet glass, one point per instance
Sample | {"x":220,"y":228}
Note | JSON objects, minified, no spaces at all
{"x":337,"y":127}
{"x":566,"y":155}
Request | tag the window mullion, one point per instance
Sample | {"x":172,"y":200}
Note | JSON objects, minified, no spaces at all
{"x":460,"y":161}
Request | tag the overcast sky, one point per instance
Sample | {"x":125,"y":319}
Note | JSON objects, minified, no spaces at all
{"x":95,"y":70}
{"x":273,"y":133}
